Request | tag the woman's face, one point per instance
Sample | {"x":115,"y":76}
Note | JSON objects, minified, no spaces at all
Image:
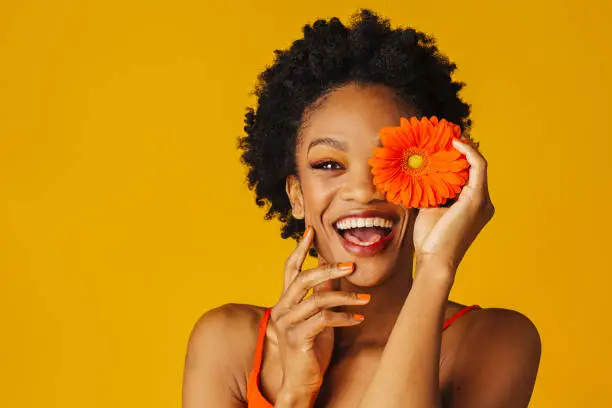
{"x":335,"y":192}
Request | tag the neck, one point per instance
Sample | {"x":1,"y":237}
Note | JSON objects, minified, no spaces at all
{"x":380,"y":313}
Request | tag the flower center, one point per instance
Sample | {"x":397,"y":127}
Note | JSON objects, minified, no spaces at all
{"x":415,"y":161}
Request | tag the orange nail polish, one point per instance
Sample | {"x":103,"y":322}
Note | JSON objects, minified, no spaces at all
{"x":364,"y":296}
{"x":358,"y":317}
{"x":306,"y":232}
{"x":346,"y":266}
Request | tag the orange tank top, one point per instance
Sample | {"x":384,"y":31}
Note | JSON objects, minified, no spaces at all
{"x":255,"y":398}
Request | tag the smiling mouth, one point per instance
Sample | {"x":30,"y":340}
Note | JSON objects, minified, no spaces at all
{"x":364,"y":231}
{"x":364,"y":235}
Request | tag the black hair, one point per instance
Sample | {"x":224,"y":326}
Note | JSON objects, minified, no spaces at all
{"x":330,"y":55}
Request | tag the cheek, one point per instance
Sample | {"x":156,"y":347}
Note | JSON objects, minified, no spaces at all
{"x":318,"y":195}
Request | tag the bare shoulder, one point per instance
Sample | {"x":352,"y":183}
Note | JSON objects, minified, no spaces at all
{"x":497,"y":360}
{"x":226,"y":337}
{"x":230,"y":319}
{"x":502,"y":328}
{"x":493,"y":326}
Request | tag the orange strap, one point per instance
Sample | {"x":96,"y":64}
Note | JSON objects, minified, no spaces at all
{"x":255,"y":398}
{"x":457,"y":315}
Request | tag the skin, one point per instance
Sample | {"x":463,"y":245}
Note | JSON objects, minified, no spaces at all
{"x":398,"y":356}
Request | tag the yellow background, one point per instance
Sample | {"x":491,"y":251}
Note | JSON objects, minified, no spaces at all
{"x":123,"y":210}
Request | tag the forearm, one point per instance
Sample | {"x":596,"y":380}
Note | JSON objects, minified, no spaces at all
{"x":408,"y":373}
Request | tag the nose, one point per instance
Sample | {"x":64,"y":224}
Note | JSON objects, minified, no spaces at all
{"x":359,"y":186}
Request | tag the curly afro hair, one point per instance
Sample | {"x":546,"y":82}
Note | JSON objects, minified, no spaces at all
{"x":329,"y":56}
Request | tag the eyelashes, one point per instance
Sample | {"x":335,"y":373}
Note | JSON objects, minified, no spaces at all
{"x":327,"y":165}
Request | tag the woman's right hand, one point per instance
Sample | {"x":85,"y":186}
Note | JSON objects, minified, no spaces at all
{"x":304,"y":327}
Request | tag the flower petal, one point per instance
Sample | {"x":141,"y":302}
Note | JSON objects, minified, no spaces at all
{"x":394,"y":188}
{"x":426,"y":132}
{"x":416,"y":130}
{"x":407,"y":191}
{"x":382,"y":170}
{"x":464,"y":174}
{"x":454,"y":180}
{"x":440,"y":166}
{"x":395,"y":184}
{"x":408,"y":138}
{"x":383,"y":176}
{"x":433,"y":144}
{"x":387,"y":153}
{"x":442,"y":188}
{"x":447,"y":189}
{"x":448,"y":155}
{"x":446,"y":137}
{"x":417,"y":193}
{"x":430,"y":196}
{"x":456,"y":130}
{"x":380,"y":166}
{"x":397,"y":138}
{"x":387,"y":136}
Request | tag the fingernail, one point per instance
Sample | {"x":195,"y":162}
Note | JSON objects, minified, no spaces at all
{"x":358,"y":316}
{"x":363,"y":296}
{"x":346,"y":266}
{"x":306,"y":232}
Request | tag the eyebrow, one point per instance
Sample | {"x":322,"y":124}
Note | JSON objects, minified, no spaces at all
{"x":329,"y":141}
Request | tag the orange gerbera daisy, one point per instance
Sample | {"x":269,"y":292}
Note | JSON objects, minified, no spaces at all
{"x":418,"y":166}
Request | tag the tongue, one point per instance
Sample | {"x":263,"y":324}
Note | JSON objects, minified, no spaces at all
{"x":364,"y":235}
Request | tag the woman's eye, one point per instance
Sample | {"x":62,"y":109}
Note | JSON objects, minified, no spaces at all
{"x":327,"y":165}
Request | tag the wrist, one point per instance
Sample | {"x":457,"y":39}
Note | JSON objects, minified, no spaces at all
{"x":435,"y":274}
{"x":289,"y":398}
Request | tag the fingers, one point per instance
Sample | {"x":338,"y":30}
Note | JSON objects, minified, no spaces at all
{"x":325,"y":318}
{"x":313,"y":315}
{"x":320,"y":301}
{"x":476,"y":191}
{"x":306,"y":280}
{"x":306,"y":318}
{"x":477,"y":178}
{"x":298,"y":330}
{"x":328,"y":285}
{"x":294,"y":263}
{"x":302,"y":319}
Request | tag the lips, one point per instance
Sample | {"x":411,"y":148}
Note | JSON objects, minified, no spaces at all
{"x":366,"y":233}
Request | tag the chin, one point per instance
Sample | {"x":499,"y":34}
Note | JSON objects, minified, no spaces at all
{"x":368,"y":276}
{"x":384,"y":266}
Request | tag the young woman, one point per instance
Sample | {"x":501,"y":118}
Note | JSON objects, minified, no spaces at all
{"x":370,"y":335}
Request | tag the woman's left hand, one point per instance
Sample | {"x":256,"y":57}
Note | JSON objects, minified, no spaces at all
{"x":443,"y":235}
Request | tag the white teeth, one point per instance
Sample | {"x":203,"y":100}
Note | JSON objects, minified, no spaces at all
{"x":368,"y":222}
